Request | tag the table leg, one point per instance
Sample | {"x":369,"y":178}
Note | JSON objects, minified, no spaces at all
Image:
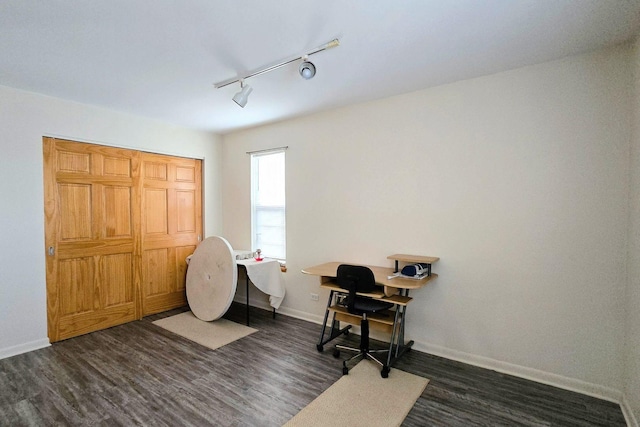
{"x":247,"y":299}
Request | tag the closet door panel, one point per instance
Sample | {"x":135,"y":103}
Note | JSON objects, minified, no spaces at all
{"x":172,"y":216}
{"x":90,"y":216}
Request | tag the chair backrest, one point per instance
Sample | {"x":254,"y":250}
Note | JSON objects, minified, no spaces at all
{"x":355,"y":278}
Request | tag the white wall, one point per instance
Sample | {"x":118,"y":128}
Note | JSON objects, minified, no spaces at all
{"x":24,"y":119}
{"x":519,"y":181}
{"x":632,"y":349}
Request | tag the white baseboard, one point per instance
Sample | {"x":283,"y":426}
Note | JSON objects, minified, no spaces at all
{"x":571,"y":384}
{"x":629,"y":416}
{"x":24,"y":348}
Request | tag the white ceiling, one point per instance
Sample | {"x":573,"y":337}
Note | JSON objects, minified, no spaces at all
{"x":160,"y":58}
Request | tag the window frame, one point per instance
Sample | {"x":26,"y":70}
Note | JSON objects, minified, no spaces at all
{"x":255,"y":157}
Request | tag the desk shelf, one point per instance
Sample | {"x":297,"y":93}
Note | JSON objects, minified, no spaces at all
{"x":413,"y":259}
{"x":381,"y":321}
{"x":379,"y":295}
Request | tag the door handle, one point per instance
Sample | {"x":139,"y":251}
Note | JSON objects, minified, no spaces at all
{"x":52,"y":251}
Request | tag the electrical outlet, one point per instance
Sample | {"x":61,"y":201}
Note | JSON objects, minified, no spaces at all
{"x":314,"y":297}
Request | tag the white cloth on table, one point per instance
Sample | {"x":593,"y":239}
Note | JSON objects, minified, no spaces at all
{"x":267,"y":277}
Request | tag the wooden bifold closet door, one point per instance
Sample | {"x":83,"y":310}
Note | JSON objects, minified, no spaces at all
{"x":171,"y":228}
{"x":118,"y":226}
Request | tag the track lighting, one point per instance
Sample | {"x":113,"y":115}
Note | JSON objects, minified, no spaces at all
{"x":307,"y":70}
{"x":242,"y":97}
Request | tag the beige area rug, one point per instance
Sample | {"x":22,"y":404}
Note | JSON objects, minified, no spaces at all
{"x":363,"y":398}
{"x":210,"y":334}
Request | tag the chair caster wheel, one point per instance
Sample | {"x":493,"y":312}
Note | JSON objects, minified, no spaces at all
{"x":336,"y":353}
{"x":319,"y":347}
{"x":384,"y":373}
{"x":345,"y":370}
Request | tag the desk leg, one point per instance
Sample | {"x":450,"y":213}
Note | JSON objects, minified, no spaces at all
{"x":335,"y":330}
{"x":394,"y":336}
{"x":247,"y":299}
{"x":397,"y":346}
{"x":403,"y":347}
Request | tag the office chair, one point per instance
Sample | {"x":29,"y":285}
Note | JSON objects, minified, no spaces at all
{"x":355,"y":278}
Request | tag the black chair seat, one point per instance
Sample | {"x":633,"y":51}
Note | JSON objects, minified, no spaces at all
{"x":370,"y":305}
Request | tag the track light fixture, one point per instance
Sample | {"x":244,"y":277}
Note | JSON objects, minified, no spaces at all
{"x":242,"y":97}
{"x":307,"y":70}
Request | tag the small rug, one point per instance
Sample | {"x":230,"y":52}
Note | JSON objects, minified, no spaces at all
{"x":210,"y":334}
{"x":363,"y":398}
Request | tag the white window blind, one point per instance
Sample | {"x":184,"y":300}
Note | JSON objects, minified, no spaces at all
{"x":268,"y":225}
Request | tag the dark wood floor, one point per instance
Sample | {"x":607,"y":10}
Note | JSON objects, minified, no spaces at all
{"x":140,"y":374}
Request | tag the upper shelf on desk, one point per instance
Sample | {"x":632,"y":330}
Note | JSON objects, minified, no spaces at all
{"x":414,"y":258}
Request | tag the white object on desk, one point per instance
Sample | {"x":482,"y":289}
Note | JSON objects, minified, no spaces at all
{"x":242,"y":254}
{"x":267,"y":277}
{"x":399,"y":274}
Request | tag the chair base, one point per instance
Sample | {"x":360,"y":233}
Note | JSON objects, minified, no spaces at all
{"x":361,"y":354}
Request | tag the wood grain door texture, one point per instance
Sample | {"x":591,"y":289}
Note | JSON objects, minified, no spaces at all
{"x":93,"y":236}
{"x":171,"y":228}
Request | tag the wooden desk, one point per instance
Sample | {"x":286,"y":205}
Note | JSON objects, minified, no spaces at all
{"x":393,"y":289}
{"x":328,"y":272}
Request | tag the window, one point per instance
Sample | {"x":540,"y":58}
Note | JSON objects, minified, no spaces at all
{"x":268,"y":204}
